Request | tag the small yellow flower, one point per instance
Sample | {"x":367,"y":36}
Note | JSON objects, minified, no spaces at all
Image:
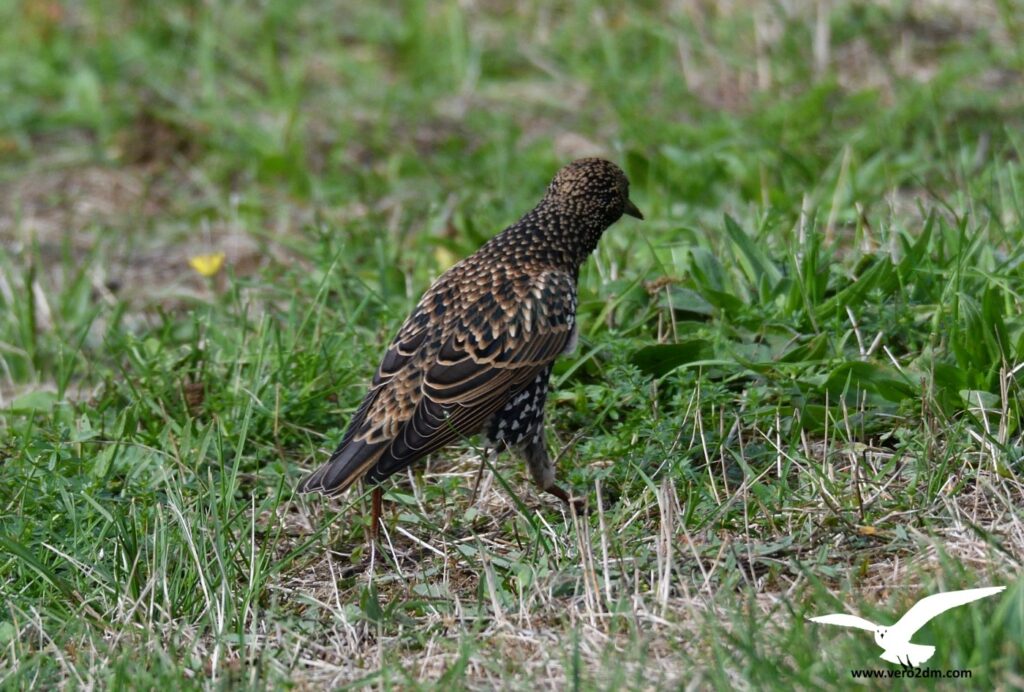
{"x":444,"y":257}
{"x":207,"y":265}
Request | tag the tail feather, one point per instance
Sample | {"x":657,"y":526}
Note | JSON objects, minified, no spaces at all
{"x":909,"y":654}
{"x":347,"y":465}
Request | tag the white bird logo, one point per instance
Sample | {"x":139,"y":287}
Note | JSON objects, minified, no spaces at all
{"x":896,"y":638}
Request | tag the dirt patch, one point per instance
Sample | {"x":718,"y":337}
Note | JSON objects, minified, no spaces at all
{"x":127,"y":217}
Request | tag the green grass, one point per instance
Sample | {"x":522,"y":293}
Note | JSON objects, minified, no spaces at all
{"x":797,"y":390}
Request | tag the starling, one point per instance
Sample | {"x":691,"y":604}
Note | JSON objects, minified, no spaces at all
{"x":476,"y":353}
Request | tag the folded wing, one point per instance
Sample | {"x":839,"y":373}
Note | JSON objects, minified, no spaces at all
{"x":462,"y":354}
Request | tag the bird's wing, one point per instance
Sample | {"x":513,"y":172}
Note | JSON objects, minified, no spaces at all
{"x":457,"y":360}
{"x":930,"y":606}
{"x":357,"y":447}
{"x":844,"y":620}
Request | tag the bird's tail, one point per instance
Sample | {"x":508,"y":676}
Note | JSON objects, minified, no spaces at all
{"x":913,"y":655}
{"x":347,"y":465}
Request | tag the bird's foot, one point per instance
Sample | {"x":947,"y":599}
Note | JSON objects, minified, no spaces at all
{"x":579,"y":504}
{"x":908,"y":664}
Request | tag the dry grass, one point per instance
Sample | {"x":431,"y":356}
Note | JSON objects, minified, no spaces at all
{"x":695,"y":568}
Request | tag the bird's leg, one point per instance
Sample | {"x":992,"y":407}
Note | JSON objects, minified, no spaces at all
{"x":487,"y":452}
{"x":376,"y":500}
{"x":543,"y":471}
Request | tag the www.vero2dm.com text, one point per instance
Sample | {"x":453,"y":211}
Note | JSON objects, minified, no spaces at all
{"x":912,"y":673}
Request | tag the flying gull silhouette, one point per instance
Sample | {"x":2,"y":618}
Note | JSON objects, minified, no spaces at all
{"x":895,"y":639}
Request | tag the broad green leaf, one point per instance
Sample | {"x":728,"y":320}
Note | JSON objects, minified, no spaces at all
{"x":662,"y":358}
{"x":41,"y":401}
{"x":881,"y":275}
{"x":681,"y":299}
{"x":870,"y":377}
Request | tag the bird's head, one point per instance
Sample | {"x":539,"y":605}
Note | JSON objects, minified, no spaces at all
{"x":880,"y":633}
{"x":595,"y":190}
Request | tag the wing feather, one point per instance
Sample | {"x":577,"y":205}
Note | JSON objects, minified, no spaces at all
{"x":845,"y":620}
{"x":458,"y":359}
{"x":936,"y":604}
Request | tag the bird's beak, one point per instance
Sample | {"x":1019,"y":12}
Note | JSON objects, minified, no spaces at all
{"x":632,"y":210}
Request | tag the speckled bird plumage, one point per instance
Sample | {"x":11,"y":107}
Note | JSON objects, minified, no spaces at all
{"x":476,"y":353}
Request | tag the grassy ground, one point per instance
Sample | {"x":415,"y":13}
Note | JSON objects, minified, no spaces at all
{"x":798,"y":389}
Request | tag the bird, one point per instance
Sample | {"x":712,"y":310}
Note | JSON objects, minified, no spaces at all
{"x":476,"y":354}
{"x":895,"y":639}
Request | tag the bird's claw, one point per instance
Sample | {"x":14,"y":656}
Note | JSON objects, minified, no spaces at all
{"x":578,"y":504}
